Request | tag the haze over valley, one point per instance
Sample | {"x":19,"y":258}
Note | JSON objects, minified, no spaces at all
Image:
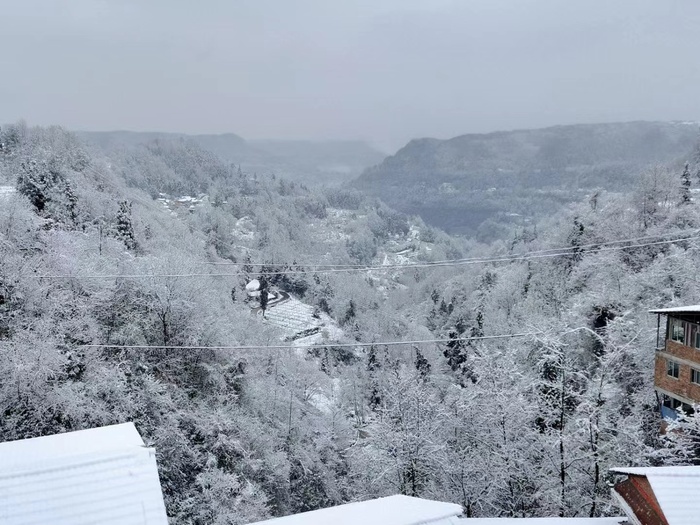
{"x":301,"y":261}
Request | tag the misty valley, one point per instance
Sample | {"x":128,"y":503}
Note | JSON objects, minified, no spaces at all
{"x":298,"y":325}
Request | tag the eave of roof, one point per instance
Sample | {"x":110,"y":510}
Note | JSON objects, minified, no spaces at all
{"x":675,"y":489}
{"x":391,"y":510}
{"x":691,"y":309}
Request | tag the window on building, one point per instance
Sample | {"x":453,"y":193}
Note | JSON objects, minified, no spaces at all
{"x":695,"y":341}
{"x":673,"y":369}
{"x":677,"y":330}
{"x":695,"y":376}
{"x":691,"y":333}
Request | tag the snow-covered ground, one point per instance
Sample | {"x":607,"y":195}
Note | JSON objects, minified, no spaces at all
{"x":182,"y":203}
{"x":292,"y":315}
{"x":296,"y":319}
{"x":244,"y":229}
{"x":6,"y":190}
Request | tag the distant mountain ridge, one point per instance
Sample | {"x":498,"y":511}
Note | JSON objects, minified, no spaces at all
{"x":459,"y":183}
{"x":329,"y":162}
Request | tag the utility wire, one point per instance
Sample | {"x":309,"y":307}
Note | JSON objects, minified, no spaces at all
{"x":468,"y":259}
{"x":327,"y":345}
{"x":457,"y":262}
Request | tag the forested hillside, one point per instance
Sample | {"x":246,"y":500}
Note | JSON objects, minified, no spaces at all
{"x":310,"y":162}
{"x":480,"y":184}
{"x":117,"y":306}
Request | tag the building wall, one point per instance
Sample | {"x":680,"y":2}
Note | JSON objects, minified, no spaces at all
{"x":686,"y":357}
{"x":684,"y":352}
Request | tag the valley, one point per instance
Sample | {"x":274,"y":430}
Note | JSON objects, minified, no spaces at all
{"x":392,"y":357}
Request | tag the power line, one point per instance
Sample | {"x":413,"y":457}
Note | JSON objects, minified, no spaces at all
{"x":327,"y":345}
{"x":456,"y":262}
{"x":468,"y":259}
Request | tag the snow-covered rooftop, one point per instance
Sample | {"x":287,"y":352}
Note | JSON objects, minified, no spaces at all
{"x":89,"y":476}
{"x":392,"y":510}
{"x":253,"y":286}
{"x":543,"y":521}
{"x":676,"y":489}
{"x":692,"y":309}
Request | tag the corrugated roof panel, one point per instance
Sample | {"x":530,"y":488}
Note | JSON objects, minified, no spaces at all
{"x":678,"y":495}
{"x":81,"y":442}
{"x":542,"y":521}
{"x":392,"y":510}
{"x":58,"y":485}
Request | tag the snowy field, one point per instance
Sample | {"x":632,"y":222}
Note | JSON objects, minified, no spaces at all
{"x":6,"y":190}
{"x":296,"y":319}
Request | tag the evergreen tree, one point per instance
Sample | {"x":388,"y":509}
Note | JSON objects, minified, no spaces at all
{"x":263,"y":294}
{"x":36,"y":181}
{"x":125,"y":228}
{"x":685,"y":185}
{"x":455,"y":351}
{"x":422,"y":364}
{"x":349,"y":313}
{"x":576,"y":240}
{"x":373,"y":366}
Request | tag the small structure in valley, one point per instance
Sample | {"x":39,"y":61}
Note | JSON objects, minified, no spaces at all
{"x":101,"y":475}
{"x":677,"y":367}
{"x":252,"y":289}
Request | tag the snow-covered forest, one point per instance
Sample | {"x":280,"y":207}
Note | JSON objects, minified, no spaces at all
{"x":122,"y":298}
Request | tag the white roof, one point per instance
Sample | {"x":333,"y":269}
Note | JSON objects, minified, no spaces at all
{"x":676,"y":489}
{"x":543,"y":521}
{"x":693,"y":308}
{"x":253,"y":285}
{"x":392,"y":510}
{"x":91,"y":476}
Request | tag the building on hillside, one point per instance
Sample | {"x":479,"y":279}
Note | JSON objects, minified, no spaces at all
{"x":101,"y":475}
{"x":659,"y":495}
{"x":253,"y":289}
{"x":677,"y":367}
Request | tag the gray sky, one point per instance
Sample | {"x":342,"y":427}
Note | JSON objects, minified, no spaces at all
{"x":382,"y":70}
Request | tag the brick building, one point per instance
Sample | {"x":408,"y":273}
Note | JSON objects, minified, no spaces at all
{"x":677,"y":367}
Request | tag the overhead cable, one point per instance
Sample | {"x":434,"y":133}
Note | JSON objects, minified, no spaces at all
{"x":400,"y":267}
{"x":326,"y":345}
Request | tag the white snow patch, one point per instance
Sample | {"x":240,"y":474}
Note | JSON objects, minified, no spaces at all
{"x":392,"y":510}
{"x":6,"y":191}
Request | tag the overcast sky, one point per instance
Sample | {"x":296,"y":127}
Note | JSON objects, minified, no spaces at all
{"x":382,"y":70}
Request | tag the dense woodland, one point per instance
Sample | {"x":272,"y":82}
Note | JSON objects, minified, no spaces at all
{"x":514,"y":426}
